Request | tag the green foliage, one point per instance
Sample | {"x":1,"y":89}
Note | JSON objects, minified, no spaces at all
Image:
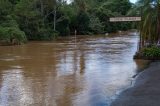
{"x":63,"y":22}
{"x":152,"y":51}
{"x":46,"y":34}
{"x":46,"y":19}
{"x":118,"y":6}
{"x":95,"y":25}
{"x":9,"y":29}
{"x":12,"y":35}
{"x":149,"y":27}
{"x":31,"y":21}
{"x":82,"y":22}
{"x":5,"y":7}
{"x":27,"y":18}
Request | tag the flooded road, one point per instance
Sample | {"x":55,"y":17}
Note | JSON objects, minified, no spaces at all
{"x":62,"y":73}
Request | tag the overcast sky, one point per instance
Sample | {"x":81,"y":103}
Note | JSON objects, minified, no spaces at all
{"x":133,"y":1}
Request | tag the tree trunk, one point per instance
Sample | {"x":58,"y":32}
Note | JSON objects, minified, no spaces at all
{"x":42,"y":7}
{"x":55,"y":13}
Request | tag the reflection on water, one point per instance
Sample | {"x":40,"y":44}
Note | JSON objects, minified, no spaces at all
{"x":61,"y":74}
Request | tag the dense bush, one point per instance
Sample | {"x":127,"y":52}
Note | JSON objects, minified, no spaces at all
{"x":46,"y":34}
{"x":152,"y":51}
{"x":11,"y":36}
{"x":63,"y":26}
{"x":95,"y":25}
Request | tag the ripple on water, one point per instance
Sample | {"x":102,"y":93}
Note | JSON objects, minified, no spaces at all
{"x":88,"y":72}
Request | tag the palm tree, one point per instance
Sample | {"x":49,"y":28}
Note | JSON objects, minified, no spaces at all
{"x":150,"y":23}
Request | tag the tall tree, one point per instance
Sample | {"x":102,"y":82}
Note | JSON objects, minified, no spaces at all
{"x":150,"y":24}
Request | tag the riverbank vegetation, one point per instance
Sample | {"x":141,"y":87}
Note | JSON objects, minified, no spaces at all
{"x":149,"y":28}
{"x":22,"y":20}
{"x":149,"y":53}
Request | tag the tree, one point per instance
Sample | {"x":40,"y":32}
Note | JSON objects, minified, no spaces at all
{"x":150,"y":24}
{"x":95,"y":25}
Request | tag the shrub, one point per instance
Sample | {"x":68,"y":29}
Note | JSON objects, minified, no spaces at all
{"x":12,"y":35}
{"x":46,"y":34}
{"x":63,"y":27}
{"x":152,"y":51}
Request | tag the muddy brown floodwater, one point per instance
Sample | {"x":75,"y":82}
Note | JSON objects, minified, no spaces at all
{"x":61,"y":73}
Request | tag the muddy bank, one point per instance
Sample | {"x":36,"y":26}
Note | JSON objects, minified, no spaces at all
{"x":145,"y":91}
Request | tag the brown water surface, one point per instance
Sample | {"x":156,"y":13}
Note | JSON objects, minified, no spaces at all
{"x":62,"y":73}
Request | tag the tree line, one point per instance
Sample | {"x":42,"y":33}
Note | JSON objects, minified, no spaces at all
{"x":22,"y":20}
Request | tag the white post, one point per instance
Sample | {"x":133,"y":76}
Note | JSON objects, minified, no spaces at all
{"x":75,"y":37}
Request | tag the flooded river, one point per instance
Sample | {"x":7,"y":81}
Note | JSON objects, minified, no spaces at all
{"x":88,"y":72}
